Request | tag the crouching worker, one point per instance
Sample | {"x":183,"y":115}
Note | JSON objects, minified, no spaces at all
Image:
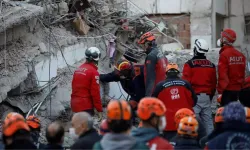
{"x":187,"y":134}
{"x":152,"y":113}
{"x":119,"y":123}
{"x":16,"y":133}
{"x":131,"y":78}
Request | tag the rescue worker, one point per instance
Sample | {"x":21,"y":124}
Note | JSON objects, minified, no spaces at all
{"x":85,"y":85}
{"x":155,"y":63}
{"x":236,"y":132}
{"x":218,"y":122}
{"x":184,"y":112}
{"x":152,"y":113}
{"x":175,"y":93}
{"x":187,"y":134}
{"x":201,"y":74}
{"x":131,"y":78}
{"x":119,"y":122}
{"x":245,"y":93}
{"x":231,"y":68}
{"x":16,"y":133}
{"x":35,"y":129}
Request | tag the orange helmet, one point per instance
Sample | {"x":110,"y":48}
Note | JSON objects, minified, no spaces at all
{"x":123,"y":65}
{"x":33,"y":122}
{"x":9,"y":115}
{"x":150,"y":106}
{"x":247,"y":110}
{"x":146,"y":37}
{"x":172,"y":66}
{"x":188,"y":126}
{"x":218,"y":115}
{"x":14,"y":123}
{"x":118,"y":110}
{"x":181,"y":113}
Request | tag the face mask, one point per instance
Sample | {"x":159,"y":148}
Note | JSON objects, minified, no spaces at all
{"x":73,"y":134}
{"x":163,"y":124}
{"x":219,"y":43}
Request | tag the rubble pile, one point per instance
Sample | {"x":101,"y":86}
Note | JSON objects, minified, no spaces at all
{"x":43,"y":42}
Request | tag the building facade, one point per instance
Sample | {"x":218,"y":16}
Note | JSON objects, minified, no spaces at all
{"x":202,"y":18}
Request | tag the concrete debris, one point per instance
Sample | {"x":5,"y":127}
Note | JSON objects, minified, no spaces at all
{"x":12,"y":16}
{"x":63,"y":8}
{"x":25,"y":102}
{"x":42,"y":47}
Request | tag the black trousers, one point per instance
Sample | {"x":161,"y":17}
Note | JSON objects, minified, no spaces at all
{"x":244,"y":97}
{"x":229,"y":96}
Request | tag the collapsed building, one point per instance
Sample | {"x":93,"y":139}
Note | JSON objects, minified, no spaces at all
{"x":43,"y":42}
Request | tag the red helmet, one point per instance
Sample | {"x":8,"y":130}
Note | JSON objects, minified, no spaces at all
{"x":228,"y":36}
{"x":146,"y":37}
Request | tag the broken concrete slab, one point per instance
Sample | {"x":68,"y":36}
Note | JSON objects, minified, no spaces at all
{"x":25,"y":102}
{"x":12,"y":16}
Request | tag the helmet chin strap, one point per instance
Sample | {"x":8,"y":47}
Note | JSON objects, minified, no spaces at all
{"x":195,"y":52}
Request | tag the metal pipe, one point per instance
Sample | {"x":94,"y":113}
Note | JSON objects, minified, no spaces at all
{"x":31,"y":110}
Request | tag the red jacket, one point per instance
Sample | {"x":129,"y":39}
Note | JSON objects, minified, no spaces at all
{"x":201,"y":74}
{"x":154,"y":70}
{"x":86,"y":89}
{"x":231,"y":69}
{"x":175,"y":93}
{"x":159,"y":143}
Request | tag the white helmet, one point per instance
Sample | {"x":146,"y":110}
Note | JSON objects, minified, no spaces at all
{"x":93,"y":53}
{"x":201,"y":46}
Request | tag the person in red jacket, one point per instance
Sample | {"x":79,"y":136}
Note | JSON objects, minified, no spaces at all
{"x":152,"y":113}
{"x":85,"y":85}
{"x":201,"y":74}
{"x":245,"y":92}
{"x":175,"y":93}
{"x":155,"y":63}
{"x":231,"y":69}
